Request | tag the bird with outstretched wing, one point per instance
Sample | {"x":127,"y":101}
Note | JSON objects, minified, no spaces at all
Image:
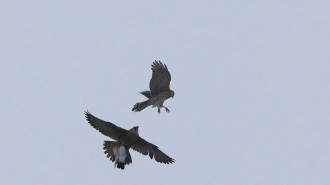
{"x":159,"y":88}
{"x":118,"y":150}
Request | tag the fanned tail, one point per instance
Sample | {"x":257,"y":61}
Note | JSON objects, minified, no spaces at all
{"x":117,"y":154}
{"x":140,"y":106}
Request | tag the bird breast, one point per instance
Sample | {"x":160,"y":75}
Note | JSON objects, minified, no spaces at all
{"x":129,"y":139}
{"x":159,"y":100}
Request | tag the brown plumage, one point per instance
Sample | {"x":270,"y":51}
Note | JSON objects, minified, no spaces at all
{"x":159,"y":88}
{"x":118,"y":150}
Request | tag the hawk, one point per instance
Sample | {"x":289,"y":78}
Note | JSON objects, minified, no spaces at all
{"x":159,"y":88}
{"x":118,"y":150}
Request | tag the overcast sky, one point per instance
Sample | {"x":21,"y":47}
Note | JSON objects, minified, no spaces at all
{"x":251,"y":82}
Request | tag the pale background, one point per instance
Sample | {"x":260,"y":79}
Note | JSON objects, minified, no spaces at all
{"x":251,"y":82}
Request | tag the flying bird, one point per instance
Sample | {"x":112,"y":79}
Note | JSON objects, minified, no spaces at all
{"x":159,"y":88}
{"x":118,"y":150}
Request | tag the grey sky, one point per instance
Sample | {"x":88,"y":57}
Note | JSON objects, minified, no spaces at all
{"x":251,"y":82}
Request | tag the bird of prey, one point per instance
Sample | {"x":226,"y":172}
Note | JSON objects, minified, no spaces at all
{"x":159,"y":88}
{"x":118,"y":150}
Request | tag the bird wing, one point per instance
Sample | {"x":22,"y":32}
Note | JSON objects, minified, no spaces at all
{"x":105,"y":127}
{"x":144,"y":147}
{"x":146,"y":94}
{"x":161,"y":78}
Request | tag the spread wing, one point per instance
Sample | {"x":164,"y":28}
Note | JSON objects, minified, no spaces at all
{"x":145,"y":148}
{"x":105,"y":127}
{"x":161,"y":78}
{"x":146,"y":94}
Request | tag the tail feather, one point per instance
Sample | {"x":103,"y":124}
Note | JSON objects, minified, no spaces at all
{"x":108,"y":149}
{"x":117,"y":153}
{"x":140,"y":106}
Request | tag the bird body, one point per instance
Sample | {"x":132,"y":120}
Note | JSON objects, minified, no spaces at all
{"x":154,"y":101}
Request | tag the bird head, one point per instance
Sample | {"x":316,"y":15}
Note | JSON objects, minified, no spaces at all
{"x":171,"y":93}
{"x":135,"y":129}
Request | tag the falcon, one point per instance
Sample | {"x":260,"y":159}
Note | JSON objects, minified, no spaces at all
{"x":159,"y":88}
{"x":118,"y":150}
